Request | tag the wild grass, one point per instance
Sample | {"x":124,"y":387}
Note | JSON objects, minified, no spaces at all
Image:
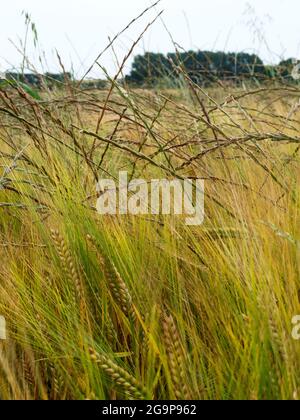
{"x":110,"y":307}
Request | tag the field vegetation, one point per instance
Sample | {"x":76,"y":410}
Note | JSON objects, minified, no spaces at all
{"x":145,"y":307}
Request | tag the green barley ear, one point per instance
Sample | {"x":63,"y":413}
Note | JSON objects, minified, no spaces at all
{"x":117,"y":285}
{"x":68,"y":264}
{"x":119,"y":290}
{"x":176,"y":358}
{"x":121,"y":377}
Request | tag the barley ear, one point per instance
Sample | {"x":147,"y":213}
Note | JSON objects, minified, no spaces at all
{"x":68,"y":264}
{"x":119,"y":376}
{"x":176,"y":358}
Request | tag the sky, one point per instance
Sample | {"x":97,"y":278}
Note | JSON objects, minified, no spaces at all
{"x":80,"y":29}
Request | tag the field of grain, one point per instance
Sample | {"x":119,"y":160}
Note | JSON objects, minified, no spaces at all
{"x":145,"y":307}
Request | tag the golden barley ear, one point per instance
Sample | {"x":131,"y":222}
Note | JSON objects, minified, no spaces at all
{"x":177,"y":362}
{"x":125,"y":381}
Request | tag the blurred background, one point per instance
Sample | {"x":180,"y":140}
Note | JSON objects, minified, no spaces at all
{"x":80,"y":29}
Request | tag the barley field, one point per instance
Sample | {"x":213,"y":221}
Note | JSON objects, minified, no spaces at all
{"x":146,"y":307}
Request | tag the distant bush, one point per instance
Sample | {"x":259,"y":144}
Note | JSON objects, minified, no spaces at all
{"x":29,"y":78}
{"x":54,"y":79}
{"x":94,"y":84}
{"x":285,"y":69}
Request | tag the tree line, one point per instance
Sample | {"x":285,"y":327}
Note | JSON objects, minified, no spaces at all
{"x":204,"y":67}
{"x":201,"y":67}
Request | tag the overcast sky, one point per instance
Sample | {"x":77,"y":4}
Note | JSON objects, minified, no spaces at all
{"x":79,"y":29}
